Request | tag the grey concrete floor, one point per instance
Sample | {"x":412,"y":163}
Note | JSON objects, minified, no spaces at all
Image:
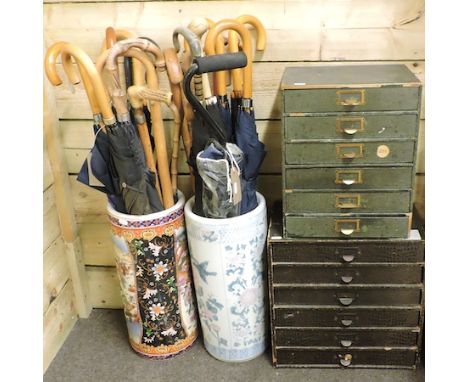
{"x":97,"y":350}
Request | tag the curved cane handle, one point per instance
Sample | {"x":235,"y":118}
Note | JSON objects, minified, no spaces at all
{"x":247,"y":44}
{"x":199,"y":26}
{"x":86,"y":66}
{"x":233,"y":43}
{"x":111,"y":37}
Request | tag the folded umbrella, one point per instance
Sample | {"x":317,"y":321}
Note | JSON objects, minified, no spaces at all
{"x":119,"y":100}
{"x":222,"y":189}
{"x":223,"y":160}
{"x":245,"y":132}
{"x":95,"y":171}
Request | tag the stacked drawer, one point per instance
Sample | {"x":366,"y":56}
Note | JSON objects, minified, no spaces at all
{"x":350,"y":139}
{"x":353,"y":303}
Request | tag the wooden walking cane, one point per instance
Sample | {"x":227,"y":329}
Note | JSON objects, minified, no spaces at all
{"x":66,"y":214}
{"x":67,"y":63}
{"x":143,"y":92}
{"x":140,"y":119}
{"x":176,"y":76}
{"x":210,"y":47}
{"x":233,"y":42}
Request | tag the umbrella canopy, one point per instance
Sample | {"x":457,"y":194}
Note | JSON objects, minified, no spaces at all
{"x":132,"y":178}
{"x":220,"y":169}
{"x":96,"y":171}
{"x":247,"y":139}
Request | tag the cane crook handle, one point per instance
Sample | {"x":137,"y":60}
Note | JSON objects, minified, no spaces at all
{"x":258,"y":26}
{"x":174,"y":71}
{"x":124,"y":45}
{"x":190,"y":37}
{"x":246,"y":42}
{"x":50,"y":61}
{"x":70,"y":72}
{"x":86,"y":66}
{"x":111,"y":37}
{"x":119,"y":34}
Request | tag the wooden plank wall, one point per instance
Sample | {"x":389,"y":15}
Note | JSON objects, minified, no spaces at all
{"x":59,"y":313}
{"x":339,"y":32}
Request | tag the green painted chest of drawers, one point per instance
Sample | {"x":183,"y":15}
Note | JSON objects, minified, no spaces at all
{"x":349,"y":150}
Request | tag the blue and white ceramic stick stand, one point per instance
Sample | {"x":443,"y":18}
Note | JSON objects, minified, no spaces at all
{"x":227,"y":258}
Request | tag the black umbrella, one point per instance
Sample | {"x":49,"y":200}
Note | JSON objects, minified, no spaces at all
{"x":95,"y":171}
{"x":132,"y":178}
{"x":212,"y":127}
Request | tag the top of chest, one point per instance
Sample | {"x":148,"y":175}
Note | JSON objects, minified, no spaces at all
{"x":348,"y":76}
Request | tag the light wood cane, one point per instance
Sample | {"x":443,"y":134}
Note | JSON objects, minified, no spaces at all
{"x":233,"y":42}
{"x":210,"y":46}
{"x":122,"y":47}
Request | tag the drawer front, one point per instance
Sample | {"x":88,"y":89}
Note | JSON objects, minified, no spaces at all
{"x":347,"y":274}
{"x":352,"y":252}
{"x":342,"y":202}
{"x":350,"y":153}
{"x":346,"y":296}
{"x":336,"y":226}
{"x":346,"y":338}
{"x":351,"y":126}
{"x":346,"y":357}
{"x":349,"y":178}
{"x":365,"y":99}
{"x":349,"y":317}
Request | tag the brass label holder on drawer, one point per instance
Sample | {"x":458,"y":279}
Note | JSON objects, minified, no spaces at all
{"x":342,"y":226}
{"x":351,"y":129}
{"x":348,"y":177}
{"x":351,"y":97}
{"x":347,"y":200}
{"x":349,"y":150}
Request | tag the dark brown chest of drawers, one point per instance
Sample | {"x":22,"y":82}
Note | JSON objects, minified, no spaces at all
{"x":345,"y":303}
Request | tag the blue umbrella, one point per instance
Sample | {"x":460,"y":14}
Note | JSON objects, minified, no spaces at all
{"x":246,"y":138}
{"x":96,"y":171}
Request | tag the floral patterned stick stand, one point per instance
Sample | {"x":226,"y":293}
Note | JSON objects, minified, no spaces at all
{"x":155,"y":281}
{"x":228,"y":273}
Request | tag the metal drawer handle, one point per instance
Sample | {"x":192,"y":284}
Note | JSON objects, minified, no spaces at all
{"x":347,"y":226}
{"x":346,"y":322}
{"x":349,"y":150}
{"x":346,"y":343}
{"x":347,"y":258}
{"x":346,"y":360}
{"x":346,"y":279}
{"x":348,"y":177}
{"x":347,"y":200}
{"x":351,"y":97}
{"x":346,"y":301}
{"x":348,"y":125}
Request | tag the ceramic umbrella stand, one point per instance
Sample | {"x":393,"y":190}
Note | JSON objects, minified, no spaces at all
{"x":155,"y":280}
{"x":228,"y":270}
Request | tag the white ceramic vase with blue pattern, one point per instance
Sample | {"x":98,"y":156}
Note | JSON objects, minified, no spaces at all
{"x":227,"y":258}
